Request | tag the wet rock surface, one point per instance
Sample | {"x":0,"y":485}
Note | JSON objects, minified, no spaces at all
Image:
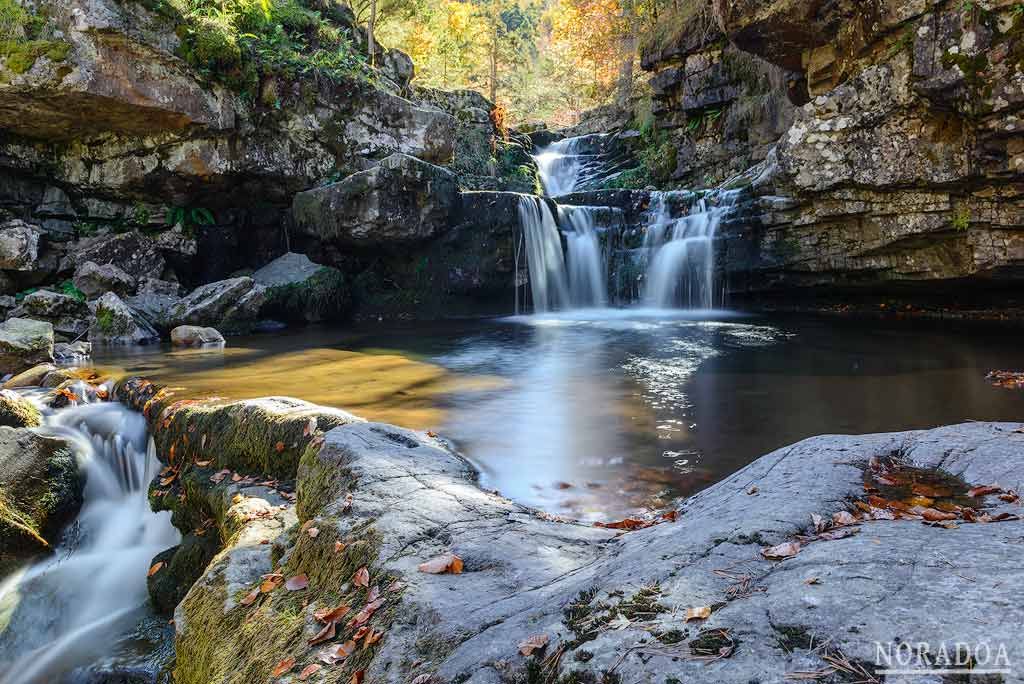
{"x":24,"y":343}
{"x":116,"y":323}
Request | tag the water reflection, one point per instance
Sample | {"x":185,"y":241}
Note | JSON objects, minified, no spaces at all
{"x":596,"y":414}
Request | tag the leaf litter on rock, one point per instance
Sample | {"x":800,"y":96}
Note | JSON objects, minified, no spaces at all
{"x":445,"y":563}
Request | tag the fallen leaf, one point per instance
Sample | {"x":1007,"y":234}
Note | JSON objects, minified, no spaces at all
{"x":310,"y":427}
{"x":840,"y":533}
{"x":1010,"y":496}
{"x":366,"y":613}
{"x":699,"y":613}
{"x":984,"y":490}
{"x":270,"y":583}
{"x":309,"y":671}
{"x":155,"y":569}
{"x":297,"y":583}
{"x":282,"y":667}
{"x":753,"y":490}
{"x":533,"y":643}
{"x":339,"y":546}
{"x":374,"y":594}
{"x":313,"y":532}
{"x":357,"y":677}
{"x":347,"y":503}
{"x":781,"y":551}
{"x":422,"y":679}
{"x":932,"y":515}
{"x":447,"y":562}
{"x":332,"y":614}
{"x":325,"y":634}
{"x":362,"y":577}
{"x":627,"y":524}
{"x":812,"y":580}
{"x":843,"y":518}
{"x":203,"y":464}
{"x":219,"y":476}
{"x":372,"y":637}
{"x":250,"y":597}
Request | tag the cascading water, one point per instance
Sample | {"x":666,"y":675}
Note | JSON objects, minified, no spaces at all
{"x":587,"y":266}
{"x":674,"y":268}
{"x":544,"y":257}
{"x":681,"y":255}
{"x":66,"y":611}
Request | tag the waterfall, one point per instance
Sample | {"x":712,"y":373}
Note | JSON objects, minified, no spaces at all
{"x":587,"y":266}
{"x":544,"y":257}
{"x":568,"y":165}
{"x":680,"y":252}
{"x":67,"y":610}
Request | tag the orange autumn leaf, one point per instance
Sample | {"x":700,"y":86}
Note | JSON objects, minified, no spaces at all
{"x":313,"y":532}
{"x":339,"y":546}
{"x":309,"y":671}
{"x":250,"y":597}
{"x":282,"y":667}
{"x":279,"y":447}
{"x":447,"y":562}
{"x":533,"y":643}
{"x":362,"y":577}
{"x":781,"y":551}
{"x":698,"y":613}
{"x":332,"y":614}
{"x":371,"y":638}
{"x":155,"y":569}
{"x":325,"y":634}
{"x":297,"y":583}
{"x":984,"y":490}
{"x":357,"y":677}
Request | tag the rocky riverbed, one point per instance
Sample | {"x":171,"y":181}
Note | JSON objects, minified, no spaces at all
{"x":808,"y":563}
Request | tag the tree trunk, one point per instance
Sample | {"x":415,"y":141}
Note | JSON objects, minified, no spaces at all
{"x":371,"y":44}
{"x":627,"y":46}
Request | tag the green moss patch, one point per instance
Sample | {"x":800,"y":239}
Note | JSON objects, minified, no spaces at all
{"x":21,"y":55}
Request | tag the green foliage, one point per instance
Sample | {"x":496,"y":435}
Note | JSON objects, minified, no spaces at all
{"x":68,"y":288}
{"x":237,"y":42}
{"x":656,"y":153}
{"x":190,"y":218}
{"x":25,"y":293}
{"x":961,"y":219}
{"x":105,"y":320}
{"x":23,"y":40}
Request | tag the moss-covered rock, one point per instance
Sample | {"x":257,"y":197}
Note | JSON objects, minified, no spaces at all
{"x":17,"y":411}
{"x":182,"y":566}
{"x":254,"y":437}
{"x":299,"y":290}
{"x":40,"y":491}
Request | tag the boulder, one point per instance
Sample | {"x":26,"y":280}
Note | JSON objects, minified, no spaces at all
{"x":155,"y":299}
{"x":67,"y":314}
{"x":24,"y":343}
{"x":40,"y":491}
{"x":195,"y":336}
{"x":133,"y":253}
{"x":400,"y":202}
{"x":33,"y":377}
{"x":72,"y":352}
{"x":94,"y":280}
{"x":300,"y":290}
{"x":231,"y":305}
{"x":19,"y":245}
{"x":116,"y":323}
{"x":17,"y":411}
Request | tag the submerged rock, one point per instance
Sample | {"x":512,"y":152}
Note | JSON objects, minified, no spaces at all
{"x":17,"y":411}
{"x":116,"y":323}
{"x":24,"y":343}
{"x":40,"y":491}
{"x":193,"y":336}
{"x":300,"y":290}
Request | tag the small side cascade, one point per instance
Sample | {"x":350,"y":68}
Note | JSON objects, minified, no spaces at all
{"x":573,"y":164}
{"x":680,"y":266}
{"x":66,"y":611}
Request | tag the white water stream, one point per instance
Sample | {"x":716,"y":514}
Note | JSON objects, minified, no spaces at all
{"x":67,"y":610}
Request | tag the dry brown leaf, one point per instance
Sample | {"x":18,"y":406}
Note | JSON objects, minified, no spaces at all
{"x":372,"y":637}
{"x":250,"y":597}
{"x":698,"y":613}
{"x":155,"y":569}
{"x":812,"y":580}
{"x":533,"y":643}
{"x":781,"y":551}
{"x":309,"y":671}
{"x":203,"y":464}
{"x":339,"y":546}
{"x":279,"y":447}
{"x":843,"y":518}
{"x":332,"y":614}
{"x":362,"y":577}
{"x":283,"y":666}
{"x":297,"y":583}
{"x":932,"y":515}
{"x":840,"y":533}
{"x":325,"y":634}
{"x":447,"y":562}
{"x":313,"y":532}
{"x":357,"y":677}
{"x":271,"y":582}
{"x":422,"y":679}
{"x":984,"y":490}
{"x":1010,"y":496}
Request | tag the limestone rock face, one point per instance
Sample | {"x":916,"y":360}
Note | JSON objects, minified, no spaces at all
{"x":40,"y":491}
{"x":116,"y":323}
{"x":24,"y":343}
{"x":19,"y":245}
{"x":400,"y":202}
{"x":133,"y":253}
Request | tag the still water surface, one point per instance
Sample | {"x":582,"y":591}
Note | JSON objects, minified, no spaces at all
{"x":597,"y":414}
